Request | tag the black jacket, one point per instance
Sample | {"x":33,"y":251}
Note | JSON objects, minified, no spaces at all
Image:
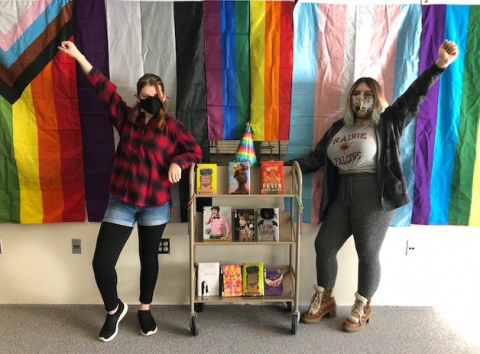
{"x":391,"y":182}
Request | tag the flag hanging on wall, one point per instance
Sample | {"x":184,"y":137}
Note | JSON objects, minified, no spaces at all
{"x":164,"y":38}
{"x":41,"y":168}
{"x":393,"y":44}
{"x":249,"y":63}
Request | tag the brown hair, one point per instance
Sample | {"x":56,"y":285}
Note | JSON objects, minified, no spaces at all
{"x":155,"y":81}
{"x":378,"y":107}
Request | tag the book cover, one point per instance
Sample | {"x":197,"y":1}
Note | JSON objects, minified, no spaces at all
{"x":252,"y":278}
{"x":268,"y":224}
{"x":217,"y":221}
{"x":271,"y":177}
{"x":273,"y":281}
{"x":239,"y":177}
{"x":206,"y":179}
{"x":208,"y":279}
{"x":232,"y":280}
{"x":244,"y":220}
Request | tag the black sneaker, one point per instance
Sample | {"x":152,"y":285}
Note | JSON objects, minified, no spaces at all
{"x":110,"y":327}
{"x":147,"y":323}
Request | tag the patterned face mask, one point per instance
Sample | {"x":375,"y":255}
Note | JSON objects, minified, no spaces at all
{"x":362,"y":101}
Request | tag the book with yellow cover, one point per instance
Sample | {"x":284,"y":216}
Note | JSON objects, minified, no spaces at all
{"x":253,"y":281}
{"x":206,"y":179}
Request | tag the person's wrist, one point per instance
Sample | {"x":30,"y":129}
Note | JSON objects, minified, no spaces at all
{"x":441,"y":63}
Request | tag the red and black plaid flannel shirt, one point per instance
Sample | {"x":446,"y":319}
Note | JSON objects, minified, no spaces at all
{"x":144,"y":153}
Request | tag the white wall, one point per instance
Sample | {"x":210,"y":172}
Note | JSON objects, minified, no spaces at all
{"x":37,"y":266}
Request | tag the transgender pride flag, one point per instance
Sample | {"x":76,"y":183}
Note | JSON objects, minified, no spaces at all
{"x":336,"y":44}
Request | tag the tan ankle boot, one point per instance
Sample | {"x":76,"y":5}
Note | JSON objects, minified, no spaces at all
{"x":322,"y":303}
{"x":361,"y":314}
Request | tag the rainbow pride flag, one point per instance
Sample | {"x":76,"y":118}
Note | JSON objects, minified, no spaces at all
{"x":337,"y":44}
{"x":248,"y":63}
{"x":41,"y":171}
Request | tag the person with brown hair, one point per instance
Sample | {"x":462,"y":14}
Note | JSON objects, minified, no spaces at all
{"x":363,"y":185}
{"x":153,"y":150}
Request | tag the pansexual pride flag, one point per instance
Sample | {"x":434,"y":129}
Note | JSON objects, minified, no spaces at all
{"x":336,"y":44}
{"x":41,"y":172}
{"x":248,"y":61}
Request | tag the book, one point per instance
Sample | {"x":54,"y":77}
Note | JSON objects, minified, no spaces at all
{"x":273,"y":281}
{"x":206,"y":179}
{"x":244,"y":220}
{"x":232,"y":280}
{"x":217,"y":221}
{"x":252,"y":278}
{"x":208,"y":279}
{"x":238,"y":177}
{"x":268,"y":224}
{"x":271,"y":177}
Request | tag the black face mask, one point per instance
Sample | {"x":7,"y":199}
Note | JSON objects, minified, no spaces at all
{"x":151,"y":104}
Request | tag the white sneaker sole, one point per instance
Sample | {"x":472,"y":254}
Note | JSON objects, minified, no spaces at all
{"x":149,"y":333}
{"x":122,"y":315}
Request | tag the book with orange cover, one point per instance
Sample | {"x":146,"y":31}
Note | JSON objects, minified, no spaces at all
{"x":271,"y":177}
{"x":232,"y":279}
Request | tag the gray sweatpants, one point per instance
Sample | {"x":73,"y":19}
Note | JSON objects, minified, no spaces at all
{"x":356,"y":210}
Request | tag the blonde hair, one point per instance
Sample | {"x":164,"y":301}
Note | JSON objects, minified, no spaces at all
{"x":155,"y":81}
{"x":378,"y":107}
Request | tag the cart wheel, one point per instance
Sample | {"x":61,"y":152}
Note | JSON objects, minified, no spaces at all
{"x":289,"y":307}
{"x":295,"y":319}
{"x":194,"y":326}
{"x":198,"y":306}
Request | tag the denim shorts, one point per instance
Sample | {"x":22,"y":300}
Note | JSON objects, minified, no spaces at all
{"x":125,"y":214}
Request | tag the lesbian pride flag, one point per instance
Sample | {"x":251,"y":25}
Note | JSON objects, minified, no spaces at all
{"x":41,"y":171}
{"x":336,"y":44}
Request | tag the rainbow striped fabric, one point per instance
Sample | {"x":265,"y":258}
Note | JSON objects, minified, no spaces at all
{"x":393,"y":43}
{"x":249,"y":63}
{"x":41,"y":171}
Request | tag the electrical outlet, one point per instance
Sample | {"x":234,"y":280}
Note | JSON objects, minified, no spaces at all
{"x":1,"y":247}
{"x":411,"y":248}
{"x":76,"y":246}
{"x":164,"y":247}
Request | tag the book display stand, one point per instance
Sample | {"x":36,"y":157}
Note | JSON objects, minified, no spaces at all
{"x":289,"y":239}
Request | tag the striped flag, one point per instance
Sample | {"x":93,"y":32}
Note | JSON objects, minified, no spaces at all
{"x":162,"y":39}
{"x":394,"y":43}
{"x":248,"y":60}
{"x":449,"y":194}
{"x":41,"y":167}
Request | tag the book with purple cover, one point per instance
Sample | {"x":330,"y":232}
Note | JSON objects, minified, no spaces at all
{"x":273,"y":281}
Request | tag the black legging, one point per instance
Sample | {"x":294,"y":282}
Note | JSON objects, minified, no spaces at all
{"x":110,"y":242}
{"x":356,"y":210}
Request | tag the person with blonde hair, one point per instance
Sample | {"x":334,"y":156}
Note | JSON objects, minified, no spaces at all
{"x":363,"y":185}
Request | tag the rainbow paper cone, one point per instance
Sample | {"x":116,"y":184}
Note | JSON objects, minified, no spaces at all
{"x":245,"y":150}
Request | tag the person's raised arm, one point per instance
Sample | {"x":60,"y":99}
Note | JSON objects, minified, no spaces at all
{"x":71,"y":50}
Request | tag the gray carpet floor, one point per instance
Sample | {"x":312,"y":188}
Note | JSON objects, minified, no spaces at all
{"x":26,"y":329}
